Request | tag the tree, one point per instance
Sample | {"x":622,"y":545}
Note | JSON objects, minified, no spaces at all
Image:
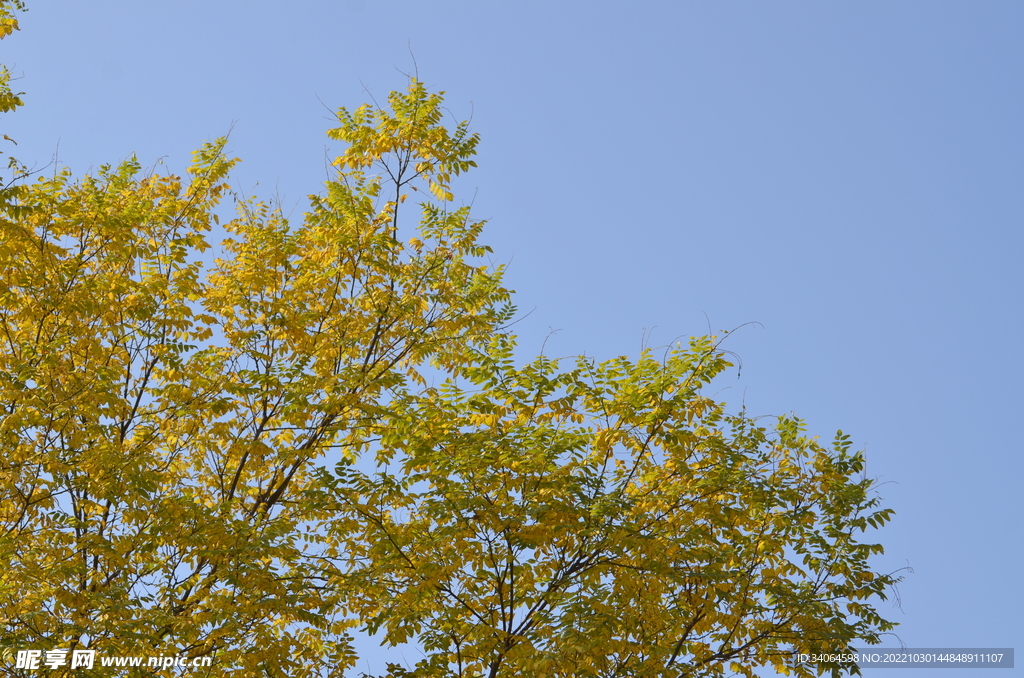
{"x":605,"y":521}
{"x":243,"y":459}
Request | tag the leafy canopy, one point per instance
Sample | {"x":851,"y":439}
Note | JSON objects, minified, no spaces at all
{"x":609,"y":520}
{"x":243,"y":458}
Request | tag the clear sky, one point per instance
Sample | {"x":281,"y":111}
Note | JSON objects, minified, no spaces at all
{"x":850,"y":175}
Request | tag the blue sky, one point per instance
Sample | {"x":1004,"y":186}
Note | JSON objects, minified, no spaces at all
{"x":848,"y":175}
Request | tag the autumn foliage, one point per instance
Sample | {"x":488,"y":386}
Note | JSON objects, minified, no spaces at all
{"x":250,"y":448}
